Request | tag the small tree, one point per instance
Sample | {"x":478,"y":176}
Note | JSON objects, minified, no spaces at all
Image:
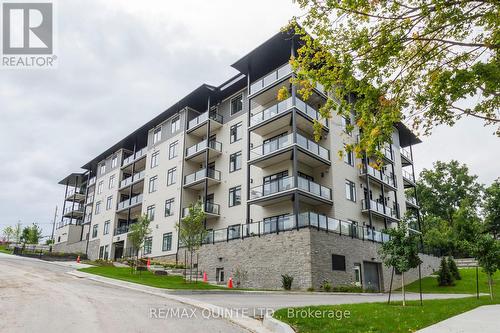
{"x":401,"y":252}
{"x":454,"y":269}
{"x":17,"y":232}
{"x":192,"y":231}
{"x":487,"y":253}
{"x":8,"y":233}
{"x":139,"y":231}
{"x":445,"y":277}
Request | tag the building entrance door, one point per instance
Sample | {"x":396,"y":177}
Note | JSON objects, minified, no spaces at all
{"x":371,"y":278}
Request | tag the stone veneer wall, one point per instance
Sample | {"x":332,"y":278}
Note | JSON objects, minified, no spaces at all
{"x":77,"y":247}
{"x":305,"y":254}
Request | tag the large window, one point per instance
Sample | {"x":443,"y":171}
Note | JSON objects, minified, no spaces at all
{"x":109,"y":202}
{"x":234,"y":196}
{"x":111,"y":183}
{"x":346,"y":124}
{"x":172,"y":150}
{"x":236,"y":132}
{"x":148,"y":245}
{"x":167,"y":242}
{"x":338,"y":262}
{"x":155,"y":159}
{"x":175,"y":124}
{"x":94,"y":230}
{"x":157,"y":135}
{"x":169,"y":207}
{"x":236,"y":104}
{"x":235,"y":161}
{"x":153,"y":184}
{"x":102,"y":169}
{"x":114,"y":162}
{"x":106,"y":228}
{"x":350,"y":190}
{"x":99,"y":187}
{"x":97,"y":207}
{"x":171,"y":176}
{"x":348,"y":157}
{"x":150,"y":212}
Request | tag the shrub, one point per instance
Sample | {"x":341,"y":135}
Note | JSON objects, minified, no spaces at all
{"x":349,"y":289}
{"x":286,"y":281}
{"x":445,"y":278}
{"x":310,"y":289}
{"x":454,"y":269}
{"x":326,"y":286}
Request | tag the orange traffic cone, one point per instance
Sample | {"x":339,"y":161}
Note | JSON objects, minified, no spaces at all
{"x":149,"y":263}
{"x":205,"y":277}
{"x":230,"y":283}
{"x":78,"y":259}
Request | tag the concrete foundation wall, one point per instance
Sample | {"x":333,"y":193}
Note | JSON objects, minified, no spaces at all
{"x":78,"y":247}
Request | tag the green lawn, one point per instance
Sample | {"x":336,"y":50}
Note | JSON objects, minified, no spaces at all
{"x":4,"y":249}
{"x":381,"y":317}
{"x":147,"y":278}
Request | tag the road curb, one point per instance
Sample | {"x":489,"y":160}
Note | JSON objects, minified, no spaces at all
{"x":250,"y":324}
{"x":275,"y":325}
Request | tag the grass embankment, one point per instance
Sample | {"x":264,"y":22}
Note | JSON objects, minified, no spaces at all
{"x":148,"y":278}
{"x":4,"y":249}
{"x":381,"y":317}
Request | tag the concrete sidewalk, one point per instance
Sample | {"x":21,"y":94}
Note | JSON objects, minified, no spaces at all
{"x":484,"y":319}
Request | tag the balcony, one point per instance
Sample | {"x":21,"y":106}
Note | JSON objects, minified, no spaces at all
{"x":271,"y":79}
{"x":88,"y":218}
{"x":134,"y":157}
{"x":287,"y":223}
{"x":76,"y":195}
{"x":92,"y":181}
{"x":280,"y":149}
{"x":378,"y":176}
{"x":280,"y":190}
{"x":379,"y":209}
{"x":408,"y":179}
{"x":90,"y":199}
{"x":406,"y":157}
{"x":133,"y":201}
{"x":212,"y":210}
{"x":279,"y":115}
{"x":388,"y":153}
{"x":198,"y":125}
{"x":195,"y":180}
{"x":73,"y":211}
{"x":132,"y":179}
{"x":411,"y":202}
{"x":195,"y":153}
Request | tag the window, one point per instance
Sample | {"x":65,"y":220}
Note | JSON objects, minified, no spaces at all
{"x":148,"y":244}
{"x":111,"y":183}
{"x":338,"y":262}
{"x":101,"y":252}
{"x":236,"y":104}
{"x":109,"y":202}
{"x":99,"y":187}
{"x":171,"y":176}
{"x":234,"y":196}
{"x":150,"y":212}
{"x":350,"y":190}
{"x":106,"y":252}
{"x":235,"y":162}
{"x":157,"y":135}
{"x":152,"y":184}
{"x":348,"y":157}
{"x":172,"y":150}
{"x":167,"y":242}
{"x":346,"y":124}
{"x":106,"y":228}
{"x":235,"y":133}
{"x":97,"y":207}
{"x":94,"y":230}
{"x":169,"y":207}
{"x":175,"y":124}
{"x":102,"y":169}
{"x":114,"y":162}
{"x":357,"y":275}
{"x":154,"y":159}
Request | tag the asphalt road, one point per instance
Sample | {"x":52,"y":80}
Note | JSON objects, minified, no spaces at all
{"x":36,"y":296}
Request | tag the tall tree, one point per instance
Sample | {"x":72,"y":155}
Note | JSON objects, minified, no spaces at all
{"x":401,"y":252}
{"x":415,"y":60}
{"x":487,"y":253}
{"x":138,"y":233}
{"x":191,"y":231}
{"x":491,"y":208}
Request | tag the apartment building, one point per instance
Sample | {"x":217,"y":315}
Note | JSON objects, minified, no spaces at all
{"x":276,"y":201}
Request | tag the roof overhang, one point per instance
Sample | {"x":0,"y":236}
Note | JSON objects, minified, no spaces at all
{"x":406,"y":136}
{"x":73,"y":179}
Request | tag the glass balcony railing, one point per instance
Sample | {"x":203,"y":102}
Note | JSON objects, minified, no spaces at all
{"x":270,"y":78}
{"x":138,"y":154}
{"x":73,"y":208}
{"x":407,"y":154}
{"x":386,"y":178}
{"x":210,"y":208}
{"x":88,"y":218}
{"x":204,"y":117}
{"x":408,"y":176}
{"x":75,"y":191}
{"x":121,"y":230}
{"x":282,"y":107}
{"x":201,"y":174}
{"x":132,"y":179}
{"x":287,"y":183}
{"x":287,"y":140}
{"x":379,"y":208}
{"x":90,"y":199}
{"x":387,"y":151}
{"x":411,"y":200}
{"x":202,"y":145}
{"x":127,"y":203}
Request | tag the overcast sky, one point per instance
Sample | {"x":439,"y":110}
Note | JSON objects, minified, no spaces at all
{"x":122,"y":63}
